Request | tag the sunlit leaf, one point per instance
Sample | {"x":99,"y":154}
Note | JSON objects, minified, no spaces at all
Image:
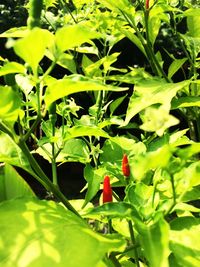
{"x":74,"y":84}
{"x":187,"y":101}
{"x":15,"y":32}
{"x":11,"y":153}
{"x":10,"y":104}
{"x":94,"y":178}
{"x":32,"y":47}
{"x":155,"y":242}
{"x":12,"y":67}
{"x":184,"y":241}
{"x":74,"y":35}
{"x":77,"y":131}
{"x":115,"y":210}
{"x":46,"y":233}
{"x":12,"y":185}
{"x":142,"y":163}
{"x":175,"y":66}
{"x":65,"y":60}
{"x":193,"y":20}
{"x":152,"y":92}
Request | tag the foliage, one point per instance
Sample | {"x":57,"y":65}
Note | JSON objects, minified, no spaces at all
{"x":133,"y":115}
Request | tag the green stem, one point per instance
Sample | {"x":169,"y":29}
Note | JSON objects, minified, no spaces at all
{"x":33,"y":127}
{"x":65,"y":6}
{"x":133,"y":243}
{"x":4,"y":128}
{"x":54,"y":166}
{"x":173,"y":189}
{"x":114,"y":260}
{"x":45,"y":180}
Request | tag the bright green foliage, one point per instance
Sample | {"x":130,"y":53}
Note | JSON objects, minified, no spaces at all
{"x":184,"y":241}
{"x":45,"y":233}
{"x":74,"y":84}
{"x":10,"y":104}
{"x":12,"y":67}
{"x":11,"y":153}
{"x":12,"y":185}
{"x":71,"y":36}
{"x":152,"y":92}
{"x":155,"y":242}
{"x":94,"y":178}
{"x":35,"y":43}
{"x":98,"y":80}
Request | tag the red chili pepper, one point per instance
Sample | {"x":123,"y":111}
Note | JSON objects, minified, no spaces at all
{"x":125,"y":166}
{"x":147,"y":4}
{"x":107,"y":190}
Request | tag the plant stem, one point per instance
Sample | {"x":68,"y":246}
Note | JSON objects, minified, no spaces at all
{"x":134,"y":243}
{"x":114,"y":260}
{"x":45,"y":180}
{"x":173,"y":190}
{"x":5,"y":129}
{"x":33,"y":127}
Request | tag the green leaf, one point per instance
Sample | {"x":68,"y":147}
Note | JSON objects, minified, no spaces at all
{"x":175,"y":66}
{"x":154,"y":24}
{"x":114,"y":148}
{"x":15,"y":32}
{"x":74,"y":35}
{"x":32,"y":47}
{"x":65,"y":60}
{"x":141,"y":197}
{"x":80,"y":130}
{"x":115,"y":210}
{"x":10,"y":104}
{"x":12,"y":67}
{"x":12,"y":185}
{"x":74,"y":150}
{"x":94,"y":177}
{"x":142,"y":163}
{"x":193,"y":21}
{"x":49,"y":3}
{"x":155,"y":242}
{"x":187,"y":178}
{"x":11,"y":153}
{"x":189,"y":151}
{"x":46,"y":234}
{"x":129,"y":33}
{"x":74,"y":84}
{"x":184,"y":241}
{"x":151,"y":92}
{"x":187,"y":101}
{"x":123,"y":5}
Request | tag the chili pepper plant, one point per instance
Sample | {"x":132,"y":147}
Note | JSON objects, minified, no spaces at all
{"x":137,"y":134}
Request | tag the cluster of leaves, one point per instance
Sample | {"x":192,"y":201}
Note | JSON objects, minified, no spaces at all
{"x":155,"y":222}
